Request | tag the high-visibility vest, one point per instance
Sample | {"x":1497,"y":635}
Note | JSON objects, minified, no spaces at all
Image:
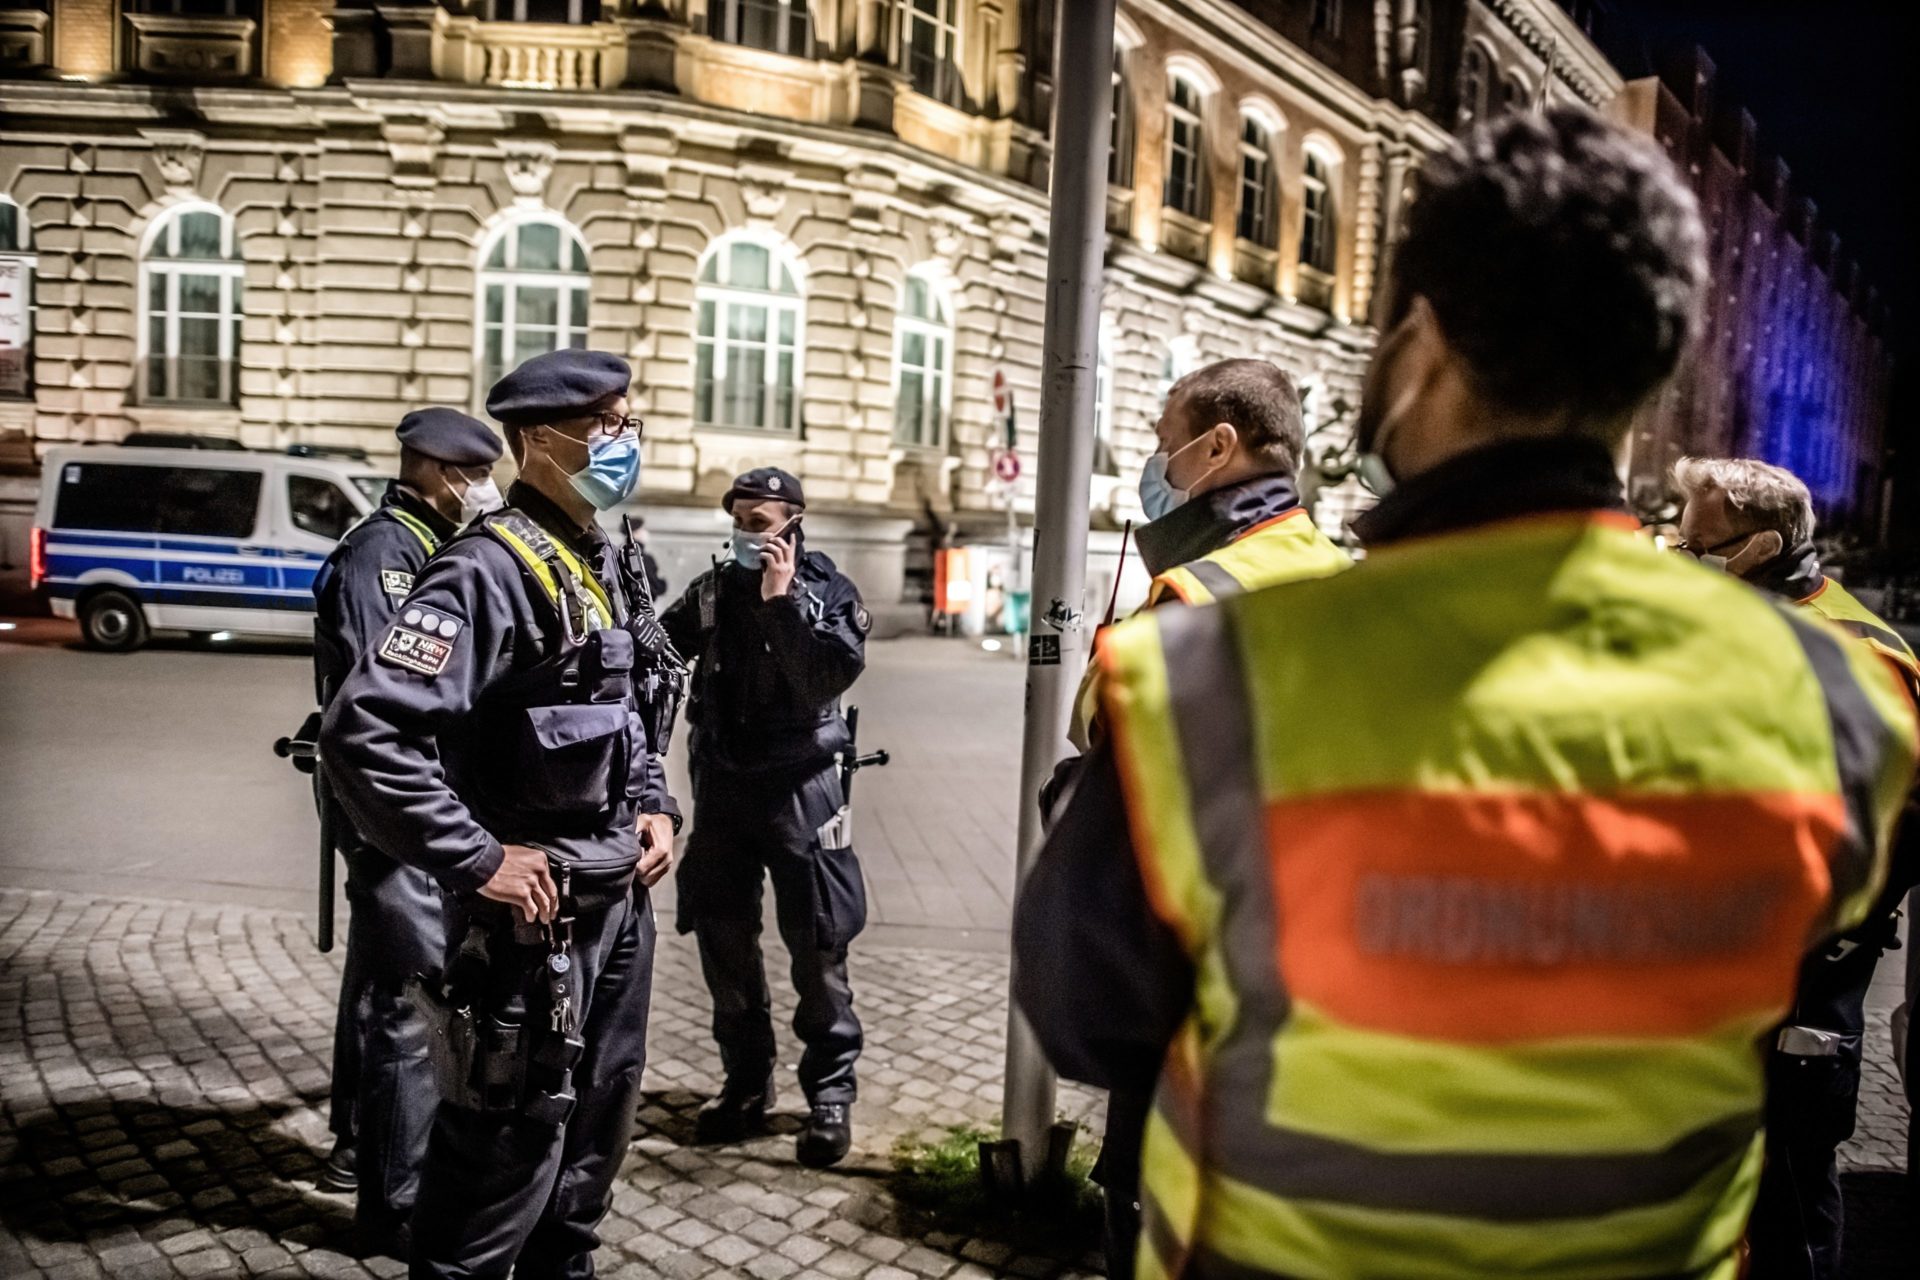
{"x":1288,"y":547}
{"x":565,"y":580}
{"x":1839,"y":606}
{"x":1495,"y":859}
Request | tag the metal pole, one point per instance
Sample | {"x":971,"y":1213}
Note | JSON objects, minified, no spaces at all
{"x":1056,"y":647}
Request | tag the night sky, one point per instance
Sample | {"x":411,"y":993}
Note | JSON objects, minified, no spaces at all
{"x":1831,"y":86}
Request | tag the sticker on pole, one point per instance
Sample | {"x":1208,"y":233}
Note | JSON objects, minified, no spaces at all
{"x":1006,"y":466}
{"x":1002,"y":394}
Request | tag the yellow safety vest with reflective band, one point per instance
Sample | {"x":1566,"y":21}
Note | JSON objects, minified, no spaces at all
{"x":417,"y":527}
{"x":567,"y":582}
{"x":1495,"y":859}
{"x":1839,"y":606}
{"x":1286,"y":548}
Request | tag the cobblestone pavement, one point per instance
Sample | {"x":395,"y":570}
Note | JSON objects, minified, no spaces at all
{"x":164,"y":1068}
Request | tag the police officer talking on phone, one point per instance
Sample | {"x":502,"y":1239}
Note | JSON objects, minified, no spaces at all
{"x":503,"y":735}
{"x":383,"y":1090}
{"x":779,"y":634}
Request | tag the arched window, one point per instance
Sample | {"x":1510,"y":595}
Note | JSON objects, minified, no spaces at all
{"x":1259,"y":203}
{"x":1476,"y":74}
{"x":1186,"y":147}
{"x":1514,"y":94}
{"x":17,"y":264}
{"x":929,"y":50}
{"x":922,"y":363}
{"x":780,"y":26}
{"x":533,"y":294}
{"x":1120,"y":151}
{"x":1318,"y":230}
{"x":191,"y":278}
{"x":746,"y":353}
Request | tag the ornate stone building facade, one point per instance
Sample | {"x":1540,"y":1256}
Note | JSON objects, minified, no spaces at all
{"x":816,"y":228}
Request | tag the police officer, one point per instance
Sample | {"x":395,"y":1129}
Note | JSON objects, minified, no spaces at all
{"x":496,"y":736}
{"x":779,"y":635}
{"x":1755,"y":521}
{"x":383,"y":1091}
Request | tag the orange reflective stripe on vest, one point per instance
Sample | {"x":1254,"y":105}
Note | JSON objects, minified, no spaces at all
{"x":1492,"y":876}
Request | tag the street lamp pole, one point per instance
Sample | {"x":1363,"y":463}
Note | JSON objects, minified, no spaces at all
{"x":1057,"y":627}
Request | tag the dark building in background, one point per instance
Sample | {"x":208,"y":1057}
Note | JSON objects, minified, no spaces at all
{"x":1794,"y":365}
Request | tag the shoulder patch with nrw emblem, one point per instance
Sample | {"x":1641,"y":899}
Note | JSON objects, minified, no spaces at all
{"x":421,"y":641}
{"x":396,"y":582}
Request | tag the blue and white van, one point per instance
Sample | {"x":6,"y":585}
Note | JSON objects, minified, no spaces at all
{"x":133,"y":540}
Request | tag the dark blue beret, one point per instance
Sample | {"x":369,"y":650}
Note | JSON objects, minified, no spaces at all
{"x":449,"y":435}
{"x":560,"y":384}
{"x":765,"y":482}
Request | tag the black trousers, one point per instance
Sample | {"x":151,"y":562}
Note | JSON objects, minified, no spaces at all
{"x":505,"y":1193}
{"x":1797,"y":1221}
{"x":1118,"y":1174}
{"x":747,"y":828}
{"x":383,"y":1087}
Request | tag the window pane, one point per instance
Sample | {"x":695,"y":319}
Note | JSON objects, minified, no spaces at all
{"x":539,"y":247}
{"x":528,"y":343}
{"x":156,"y":292}
{"x":913,"y":349}
{"x":908,"y":408}
{"x":532,"y":306}
{"x":706,"y":320}
{"x":199,"y":336}
{"x":493,"y":366}
{"x":579,"y":313}
{"x":747,"y":324}
{"x":199,"y":294}
{"x":498,"y":258}
{"x":916,"y":298}
{"x":318,"y":506}
{"x":10,"y":227}
{"x":703,"y":381}
{"x":787,"y":318}
{"x":576,"y":258}
{"x":200,"y":235}
{"x":783,"y":397}
{"x":710,"y":272}
{"x":496,"y":304}
{"x":750,"y":267}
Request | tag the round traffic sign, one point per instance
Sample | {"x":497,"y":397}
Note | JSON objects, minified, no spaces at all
{"x":1007,"y":466}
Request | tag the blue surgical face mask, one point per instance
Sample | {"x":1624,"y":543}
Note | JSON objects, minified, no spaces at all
{"x":748,"y":546}
{"x":612,"y":471}
{"x":1157,"y":493}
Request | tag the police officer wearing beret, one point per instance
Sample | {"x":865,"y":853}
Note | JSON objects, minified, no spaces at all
{"x":383,"y":1091}
{"x":496,"y":736}
{"x":779,"y":635}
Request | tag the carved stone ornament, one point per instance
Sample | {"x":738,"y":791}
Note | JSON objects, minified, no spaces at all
{"x":177,"y":153}
{"x":764,"y":190}
{"x":414,"y":144}
{"x":529,"y":164}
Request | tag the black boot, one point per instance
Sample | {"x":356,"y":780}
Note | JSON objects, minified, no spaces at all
{"x":736,"y":1115}
{"x":827,"y":1137}
{"x":340,"y":1173}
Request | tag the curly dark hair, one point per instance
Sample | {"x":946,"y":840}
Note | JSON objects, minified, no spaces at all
{"x":1564,"y":259}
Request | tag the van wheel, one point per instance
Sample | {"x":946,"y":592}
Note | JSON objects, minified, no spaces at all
{"x":113,"y":621}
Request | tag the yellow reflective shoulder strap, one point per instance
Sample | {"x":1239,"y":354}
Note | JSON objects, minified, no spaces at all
{"x":528,"y":541}
{"x":417,"y":527}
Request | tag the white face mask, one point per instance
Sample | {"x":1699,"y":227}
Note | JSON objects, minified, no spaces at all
{"x":481,"y":497}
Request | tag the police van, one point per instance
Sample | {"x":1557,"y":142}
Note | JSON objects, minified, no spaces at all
{"x":136,"y":539}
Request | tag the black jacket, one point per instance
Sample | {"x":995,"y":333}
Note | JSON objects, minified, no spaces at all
{"x":766,"y":691}
{"x":444,"y":742}
{"x":365,"y":579}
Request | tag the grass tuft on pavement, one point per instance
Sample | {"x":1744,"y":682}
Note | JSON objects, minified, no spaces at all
{"x":938,"y":1179}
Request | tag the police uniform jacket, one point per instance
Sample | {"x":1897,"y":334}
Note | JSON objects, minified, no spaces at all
{"x":766,"y":696}
{"x":476,"y":721}
{"x":367,"y":576}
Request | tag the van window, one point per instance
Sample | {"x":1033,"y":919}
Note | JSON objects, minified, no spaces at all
{"x":319,"y":507}
{"x":194,"y":501}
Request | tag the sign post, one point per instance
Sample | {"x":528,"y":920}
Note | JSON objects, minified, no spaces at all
{"x":1058,"y":634}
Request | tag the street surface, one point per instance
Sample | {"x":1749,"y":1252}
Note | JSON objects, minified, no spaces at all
{"x":165,"y":1020}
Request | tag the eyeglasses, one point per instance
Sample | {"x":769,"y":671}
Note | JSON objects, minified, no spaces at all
{"x":1697,"y":552}
{"x":611,"y":426}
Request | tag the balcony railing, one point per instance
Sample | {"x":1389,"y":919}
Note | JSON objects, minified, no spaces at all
{"x":531,"y":55}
